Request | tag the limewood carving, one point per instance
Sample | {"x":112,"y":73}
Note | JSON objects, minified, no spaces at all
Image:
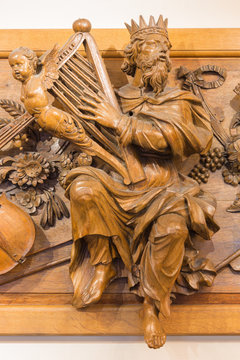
{"x":227,"y":156}
{"x":119,"y":158}
{"x":14,"y":247}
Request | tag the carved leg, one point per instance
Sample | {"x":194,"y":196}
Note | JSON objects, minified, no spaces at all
{"x":103,"y":275}
{"x":101,"y":256}
{"x":94,"y":211}
{"x":154,"y":333}
{"x":160,"y":265}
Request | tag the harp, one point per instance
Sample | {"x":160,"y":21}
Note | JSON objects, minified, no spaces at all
{"x":79,"y":77}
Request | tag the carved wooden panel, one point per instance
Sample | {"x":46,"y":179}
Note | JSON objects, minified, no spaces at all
{"x":40,"y":303}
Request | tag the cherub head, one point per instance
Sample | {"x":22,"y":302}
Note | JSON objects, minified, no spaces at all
{"x":23,"y":62}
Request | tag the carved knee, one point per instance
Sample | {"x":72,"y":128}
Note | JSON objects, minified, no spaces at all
{"x":171,"y":224}
{"x":84,"y":190}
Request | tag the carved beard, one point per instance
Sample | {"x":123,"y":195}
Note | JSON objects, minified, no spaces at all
{"x":155,"y":72}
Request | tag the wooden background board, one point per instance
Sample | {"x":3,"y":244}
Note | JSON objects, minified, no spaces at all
{"x":43,"y":300}
{"x":111,"y":42}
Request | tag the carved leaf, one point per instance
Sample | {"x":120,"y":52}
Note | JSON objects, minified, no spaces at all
{"x":4,"y":122}
{"x":196,"y":272}
{"x":4,"y":171}
{"x":198,"y":278}
{"x":182,"y":290}
{"x":12,"y":107}
{"x":50,"y":214}
{"x":62,"y":206}
{"x":6,"y":159}
{"x":43,"y":221}
{"x":56,"y":209}
{"x":237,"y":89}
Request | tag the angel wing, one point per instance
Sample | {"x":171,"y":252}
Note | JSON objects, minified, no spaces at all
{"x":50,"y":68}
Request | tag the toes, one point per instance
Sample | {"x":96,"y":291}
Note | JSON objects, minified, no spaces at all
{"x":150,"y":343}
{"x":91,"y":296}
{"x":85,"y":296}
{"x":162,"y":340}
{"x":157,"y":341}
{"x":78,"y":303}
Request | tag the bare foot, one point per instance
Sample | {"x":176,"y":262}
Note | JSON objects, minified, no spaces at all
{"x":154,"y":333}
{"x":102,"y":277}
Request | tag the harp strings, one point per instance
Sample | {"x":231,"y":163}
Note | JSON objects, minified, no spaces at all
{"x":10,"y":130}
{"x":77,"y":80}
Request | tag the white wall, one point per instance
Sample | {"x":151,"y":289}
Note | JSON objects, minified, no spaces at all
{"x":112,"y":14}
{"x":118,"y":348}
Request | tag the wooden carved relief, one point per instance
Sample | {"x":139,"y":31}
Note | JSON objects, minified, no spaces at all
{"x":102,"y":173}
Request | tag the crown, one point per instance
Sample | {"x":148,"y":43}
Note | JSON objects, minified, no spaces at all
{"x":159,"y":27}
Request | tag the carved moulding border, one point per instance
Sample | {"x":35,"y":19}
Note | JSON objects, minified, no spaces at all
{"x":111,"y":42}
{"x":116,"y":320}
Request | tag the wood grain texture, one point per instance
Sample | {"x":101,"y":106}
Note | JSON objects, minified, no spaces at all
{"x":225,"y":242}
{"x":41,"y":303}
{"x":116,"y":298}
{"x":116,"y":320}
{"x":111,"y":42}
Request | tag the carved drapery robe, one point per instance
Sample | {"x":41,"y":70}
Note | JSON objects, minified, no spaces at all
{"x":164,"y":130}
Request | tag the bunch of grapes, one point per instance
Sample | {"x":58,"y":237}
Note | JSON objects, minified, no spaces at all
{"x":211,"y":161}
{"x":231,"y":177}
{"x":199,"y":173}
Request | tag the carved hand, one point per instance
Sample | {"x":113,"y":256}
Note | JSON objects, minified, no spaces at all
{"x":101,"y":111}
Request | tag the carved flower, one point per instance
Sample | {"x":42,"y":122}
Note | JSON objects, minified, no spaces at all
{"x":230,"y":177}
{"x":233,"y":152}
{"x":29,"y":199}
{"x":231,"y":172}
{"x":70,"y":161}
{"x":4,"y":122}
{"x":67,"y":161}
{"x":84,"y":160}
{"x":62,"y":178}
{"x":29,"y":169}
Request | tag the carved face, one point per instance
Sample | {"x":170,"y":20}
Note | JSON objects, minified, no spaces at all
{"x":153,"y":61}
{"x":149,"y":54}
{"x":153,"y":45}
{"x":22,"y":67}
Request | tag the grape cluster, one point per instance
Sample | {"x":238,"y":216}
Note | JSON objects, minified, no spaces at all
{"x":231,"y":177}
{"x":211,"y":161}
{"x":199,"y":173}
{"x":66,"y":161}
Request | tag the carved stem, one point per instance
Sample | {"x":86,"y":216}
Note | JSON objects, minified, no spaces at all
{"x":218,"y":130}
{"x":37,"y":269}
{"x":227,"y":261}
